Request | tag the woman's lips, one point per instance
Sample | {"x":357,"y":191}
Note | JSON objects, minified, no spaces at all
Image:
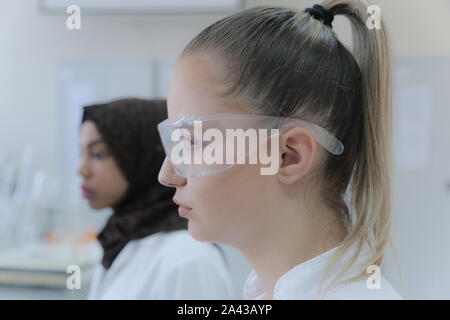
{"x":87,"y":193}
{"x":182,"y":209}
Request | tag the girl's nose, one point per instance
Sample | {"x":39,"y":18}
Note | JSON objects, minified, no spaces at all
{"x":168,"y":177}
{"x":83,"y":170}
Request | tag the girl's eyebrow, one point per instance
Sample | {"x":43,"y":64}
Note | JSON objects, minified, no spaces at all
{"x":94,"y":142}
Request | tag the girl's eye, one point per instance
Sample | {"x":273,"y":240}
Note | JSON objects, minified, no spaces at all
{"x":190,"y":140}
{"x":198,"y":143}
{"x":193,"y":142}
{"x":99,"y":155}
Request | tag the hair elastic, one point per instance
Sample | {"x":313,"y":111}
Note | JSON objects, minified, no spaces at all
{"x":320,"y":13}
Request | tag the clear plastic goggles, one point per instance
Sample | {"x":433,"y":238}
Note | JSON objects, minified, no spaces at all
{"x":208,"y":144}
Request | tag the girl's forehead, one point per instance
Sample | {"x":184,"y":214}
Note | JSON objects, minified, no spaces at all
{"x":196,"y":89}
{"x":89,"y":131}
{"x":204,"y":107}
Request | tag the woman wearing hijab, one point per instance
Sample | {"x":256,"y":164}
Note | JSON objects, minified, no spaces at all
{"x":147,"y":251}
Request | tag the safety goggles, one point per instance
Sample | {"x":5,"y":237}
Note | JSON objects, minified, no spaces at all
{"x":213,"y":143}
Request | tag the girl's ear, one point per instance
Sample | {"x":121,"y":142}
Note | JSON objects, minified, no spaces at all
{"x":297,"y":149}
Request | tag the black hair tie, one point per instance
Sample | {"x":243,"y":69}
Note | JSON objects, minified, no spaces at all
{"x":320,"y":13}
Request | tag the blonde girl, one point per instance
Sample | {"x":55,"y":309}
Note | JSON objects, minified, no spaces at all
{"x":302,"y":235}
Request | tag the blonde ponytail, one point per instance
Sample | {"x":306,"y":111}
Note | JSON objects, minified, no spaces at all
{"x":370,"y":218}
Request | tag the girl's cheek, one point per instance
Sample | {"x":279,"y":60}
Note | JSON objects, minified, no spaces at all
{"x":221,"y":189}
{"x":208,"y":192}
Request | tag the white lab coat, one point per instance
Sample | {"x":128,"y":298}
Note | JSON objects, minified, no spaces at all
{"x":301,"y":282}
{"x":164,"y":265}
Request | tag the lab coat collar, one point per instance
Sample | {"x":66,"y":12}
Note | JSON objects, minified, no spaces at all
{"x":300,"y":282}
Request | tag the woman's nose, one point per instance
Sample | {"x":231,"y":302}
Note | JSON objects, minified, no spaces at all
{"x":83,"y":169}
{"x":168,"y":177}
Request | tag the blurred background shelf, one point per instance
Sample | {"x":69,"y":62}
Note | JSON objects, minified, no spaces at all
{"x":42,"y":270}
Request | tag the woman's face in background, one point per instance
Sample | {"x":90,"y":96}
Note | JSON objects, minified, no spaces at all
{"x":103,"y":183}
{"x":223,"y":205}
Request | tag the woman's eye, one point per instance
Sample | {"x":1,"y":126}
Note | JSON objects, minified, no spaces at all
{"x":189,"y":140}
{"x":197,"y":143}
{"x":99,"y":155}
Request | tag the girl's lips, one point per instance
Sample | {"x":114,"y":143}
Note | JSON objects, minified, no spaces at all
{"x":182,"y":209}
{"x":180,"y":204}
{"x":87,"y":193}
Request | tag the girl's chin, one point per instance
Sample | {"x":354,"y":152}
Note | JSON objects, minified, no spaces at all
{"x":197,"y":233}
{"x":96,"y":205}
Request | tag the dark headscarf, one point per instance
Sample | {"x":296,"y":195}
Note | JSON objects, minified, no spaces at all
{"x":129,"y":129}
